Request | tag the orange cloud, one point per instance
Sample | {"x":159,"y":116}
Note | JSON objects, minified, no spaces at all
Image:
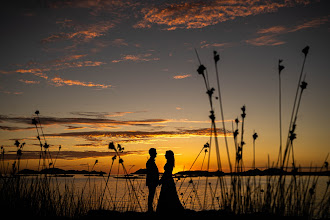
{"x":70,"y":155}
{"x":69,"y":58}
{"x":137,"y":58}
{"x":81,"y":33}
{"x":271,"y":34}
{"x":9,"y":93}
{"x":62,"y":65}
{"x":182,"y":76}
{"x":205,"y":44}
{"x":199,"y":14}
{"x":267,"y":40}
{"x":36,"y":71}
{"x":29,"y":81}
{"x":311,"y":24}
{"x":273,"y":30}
{"x":138,"y":135}
{"x":96,"y":7}
{"x":61,"y":82}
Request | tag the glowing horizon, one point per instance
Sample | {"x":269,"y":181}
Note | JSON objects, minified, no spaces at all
{"x":125,"y":72}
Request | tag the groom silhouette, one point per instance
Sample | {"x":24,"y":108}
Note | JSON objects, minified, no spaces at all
{"x":152,"y":179}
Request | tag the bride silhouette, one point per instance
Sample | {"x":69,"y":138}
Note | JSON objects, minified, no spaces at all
{"x":168,"y":202}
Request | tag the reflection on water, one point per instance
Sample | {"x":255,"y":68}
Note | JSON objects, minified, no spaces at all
{"x":195,"y":193}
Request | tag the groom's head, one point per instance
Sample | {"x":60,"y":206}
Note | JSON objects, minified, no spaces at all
{"x":152,"y":152}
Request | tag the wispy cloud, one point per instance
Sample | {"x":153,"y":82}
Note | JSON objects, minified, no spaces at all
{"x":11,"y":128}
{"x":80,"y":33}
{"x":198,"y":14}
{"x":95,"y":8}
{"x":40,"y":72}
{"x":270,"y":36}
{"x":181,"y":76}
{"x":80,"y":120}
{"x":266,"y":40}
{"x":43,"y":69}
{"x":68,"y":155}
{"x":205,"y":44}
{"x":273,"y":30}
{"x":58,"y":81}
{"x":136,"y":58}
{"x":137,"y":135}
{"x":104,"y":114}
{"x":29,"y":81}
{"x":10,"y":92}
{"x":311,"y":24}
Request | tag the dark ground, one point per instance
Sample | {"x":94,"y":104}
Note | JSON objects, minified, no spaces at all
{"x":187,"y":215}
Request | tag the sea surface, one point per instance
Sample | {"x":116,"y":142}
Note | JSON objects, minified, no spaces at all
{"x":196,"y":193}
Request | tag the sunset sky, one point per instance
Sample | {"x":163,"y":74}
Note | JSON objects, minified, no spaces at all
{"x":125,"y":72}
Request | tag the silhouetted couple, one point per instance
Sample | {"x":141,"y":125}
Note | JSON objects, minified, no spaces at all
{"x":168,"y":202}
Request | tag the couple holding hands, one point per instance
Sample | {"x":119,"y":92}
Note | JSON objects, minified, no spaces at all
{"x":168,"y":201}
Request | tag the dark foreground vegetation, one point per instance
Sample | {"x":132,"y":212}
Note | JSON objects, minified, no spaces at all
{"x":285,"y":195}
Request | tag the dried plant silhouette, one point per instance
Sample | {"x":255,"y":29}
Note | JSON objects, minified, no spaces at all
{"x":278,"y":191}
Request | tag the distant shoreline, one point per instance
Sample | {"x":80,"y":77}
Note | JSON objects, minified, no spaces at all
{"x":196,"y":173}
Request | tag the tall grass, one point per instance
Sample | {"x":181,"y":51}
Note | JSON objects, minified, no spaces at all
{"x":280,"y":194}
{"x":283,"y":195}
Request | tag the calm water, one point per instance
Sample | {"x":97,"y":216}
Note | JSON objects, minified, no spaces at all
{"x":131,"y":194}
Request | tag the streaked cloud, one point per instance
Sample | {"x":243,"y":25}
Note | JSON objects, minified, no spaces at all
{"x":136,"y":58}
{"x":29,"y":81}
{"x":68,"y":155}
{"x":58,"y":81}
{"x":11,"y":128}
{"x":311,"y":24}
{"x":42,"y":70}
{"x":104,"y":114}
{"x":80,"y":33}
{"x":267,"y":40}
{"x":10,"y":92}
{"x":205,"y":44}
{"x":181,"y":76}
{"x":80,"y":120}
{"x":273,"y":30}
{"x":199,"y":14}
{"x":270,"y":36}
{"x":39,"y":72}
{"x":115,"y":7}
{"x":137,"y":135}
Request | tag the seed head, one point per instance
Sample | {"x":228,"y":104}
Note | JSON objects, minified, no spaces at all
{"x":235,"y":133}
{"x":305,"y":50}
{"x":210,"y":91}
{"x":280,"y":67}
{"x":17,"y":143}
{"x":120,"y":148}
{"x":201,"y":69}
{"x":216,"y":56}
{"x":112,"y":146}
{"x":293,"y":136}
{"x":303,"y":85}
{"x":255,"y":136}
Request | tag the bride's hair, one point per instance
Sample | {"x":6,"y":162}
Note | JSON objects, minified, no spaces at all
{"x":170,"y":157}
